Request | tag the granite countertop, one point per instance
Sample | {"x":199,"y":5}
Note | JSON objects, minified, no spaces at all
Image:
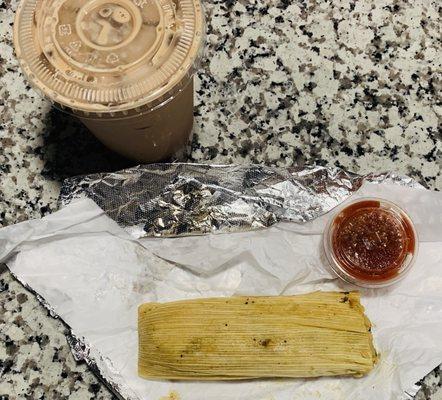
{"x":355,"y":84}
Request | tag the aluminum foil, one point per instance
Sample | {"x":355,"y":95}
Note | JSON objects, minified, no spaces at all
{"x":194,"y":199}
{"x":82,"y":351}
{"x":191,"y":199}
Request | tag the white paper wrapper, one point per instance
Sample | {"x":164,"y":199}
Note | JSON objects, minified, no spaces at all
{"x":94,"y":276}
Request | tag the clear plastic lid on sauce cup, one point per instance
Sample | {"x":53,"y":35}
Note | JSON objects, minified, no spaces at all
{"x":370,"y":242}
{"x":109,"y":57}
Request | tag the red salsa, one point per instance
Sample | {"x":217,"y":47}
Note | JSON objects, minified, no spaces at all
{"x":371,"y":242}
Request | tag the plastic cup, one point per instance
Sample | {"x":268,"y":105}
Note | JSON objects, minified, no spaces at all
{"x":371,"y":242}
{"x":123,"y":67}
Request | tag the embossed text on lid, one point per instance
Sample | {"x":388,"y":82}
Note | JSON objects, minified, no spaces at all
{"x":102,"y":56}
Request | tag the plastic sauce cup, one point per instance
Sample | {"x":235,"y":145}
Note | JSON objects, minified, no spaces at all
{"x":371,"y":242}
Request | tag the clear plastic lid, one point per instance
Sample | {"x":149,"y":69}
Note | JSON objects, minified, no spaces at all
{"x":108,"y":56}
{"x":371,"y":242}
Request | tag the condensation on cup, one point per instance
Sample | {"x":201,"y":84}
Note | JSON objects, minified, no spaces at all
{"x":123,"y":67}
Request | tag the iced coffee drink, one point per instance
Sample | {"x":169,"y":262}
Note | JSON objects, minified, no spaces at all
{"x":123,"y":67}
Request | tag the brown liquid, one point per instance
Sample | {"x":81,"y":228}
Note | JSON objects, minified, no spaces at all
{"x":372,"y":243}
{"x":154,"y":136}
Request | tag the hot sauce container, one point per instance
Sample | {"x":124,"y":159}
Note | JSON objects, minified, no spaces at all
{"x":371,"y":242}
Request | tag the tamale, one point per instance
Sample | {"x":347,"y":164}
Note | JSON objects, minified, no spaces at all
{"x":316,"y":334}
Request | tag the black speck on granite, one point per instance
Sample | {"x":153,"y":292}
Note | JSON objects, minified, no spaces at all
{"x":354,"y":84}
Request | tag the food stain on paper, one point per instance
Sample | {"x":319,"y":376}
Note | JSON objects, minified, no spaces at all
{"x":173,"y":395}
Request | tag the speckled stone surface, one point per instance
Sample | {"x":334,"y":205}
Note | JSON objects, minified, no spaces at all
{"x":355,"y":84}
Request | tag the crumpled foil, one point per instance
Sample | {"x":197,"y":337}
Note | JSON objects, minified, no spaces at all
{"x":194,"y":199}
{"x":81,"y":350}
